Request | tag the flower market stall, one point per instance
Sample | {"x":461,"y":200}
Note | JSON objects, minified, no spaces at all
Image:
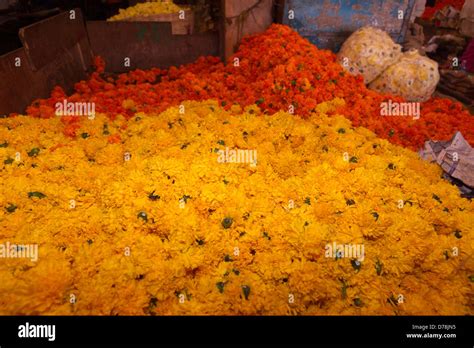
{"x":268,"y":182}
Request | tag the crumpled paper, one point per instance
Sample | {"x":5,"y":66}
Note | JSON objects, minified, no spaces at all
{"x":456,"y":158}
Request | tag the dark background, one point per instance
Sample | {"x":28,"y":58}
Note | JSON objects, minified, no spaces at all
{"x":26,"y":12}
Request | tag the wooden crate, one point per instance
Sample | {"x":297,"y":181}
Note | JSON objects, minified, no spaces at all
{"x":56,"y":51}
{"x":147,"y":44}
{"x":178,"y":26}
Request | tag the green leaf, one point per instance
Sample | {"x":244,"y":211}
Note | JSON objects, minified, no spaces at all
{"x":344,"y":289}
{"x":34,"y":152}
{"x":220,"y":286}
{"x":153,"y":302}
{"x":435,"y":197}
{"x":375,"y":215}
{"x":36,"y":194}
{"x":378,"y":267}
{"x":153,"y":197}
{"x":356,"y":264}
{"x":11,"y":208}
{"x":227,"y":222}
{"x":246,"y":291}
{"x":5,"y":144}
{"x":392,"y":300}
{"x":185,"y":198}
{"x":142,"y":215}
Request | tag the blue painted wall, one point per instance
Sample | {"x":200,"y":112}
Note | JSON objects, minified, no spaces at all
{"x":327,"y":23}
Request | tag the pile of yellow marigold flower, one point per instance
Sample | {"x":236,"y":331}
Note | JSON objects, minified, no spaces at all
{"x":146,"y":9}
{"x":160,"y":227}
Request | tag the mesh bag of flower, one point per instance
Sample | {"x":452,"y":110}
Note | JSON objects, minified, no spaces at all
{"x":368,"y":52}
{"x":413,"y":77}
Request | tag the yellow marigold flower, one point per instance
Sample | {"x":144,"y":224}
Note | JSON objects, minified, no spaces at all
{"x":146,"y":9}
{"x":156,"y":224}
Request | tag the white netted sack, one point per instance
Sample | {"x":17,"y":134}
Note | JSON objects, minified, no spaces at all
{"x":413,"y":77}
{"x":368,"y":52}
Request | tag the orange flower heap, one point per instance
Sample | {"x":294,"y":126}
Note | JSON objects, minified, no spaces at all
{"x":277,"y":70}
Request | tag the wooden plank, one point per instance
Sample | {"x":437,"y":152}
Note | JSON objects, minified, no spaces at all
{"x":55,"y":55}
{"x":147,"y":45}
{"x":45,"y":40}
{"x":243,"y":18}
{"x":179,"y":26}
{"x":279,"y":10}
{"x":19,"y":86}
